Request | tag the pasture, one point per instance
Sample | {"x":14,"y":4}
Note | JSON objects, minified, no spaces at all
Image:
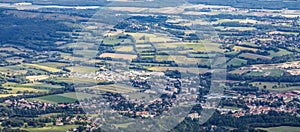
{"x":118,"y":56}
{"x":268,"y":72}
{"x":254,"y":56}
{"x":282,"y":129}
{"x":15,"y":88}
{"x":123,"y":48}
{"x":240,"y":48}
{"x":114,"y":88}
{"x":51,"y":128}
{"x":63,"y":98}
{"x":275,"y":86}
{"x":42,"y":67}
{"x":82,"y":69}
{"x":281,"y":52}
{"x":236,"y":62}
{"x":37,"y":78}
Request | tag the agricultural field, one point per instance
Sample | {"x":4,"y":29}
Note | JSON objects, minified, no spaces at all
{"x":153,"y":38}
{"x":240,"y":48}
{"x":51,"y":128}
{"x":72,"y":80}
{"x":254,"y":56}
{"x":45,"y":68}
{"x":237,"y":62}
{"x":37,"y":78}
{"x":115,"y":88}
{"x":86,"y":53}
{"x":184,"y":60}
{"x":203,"y":46}
{"x":118,"y":56}
{"x":238,"y":71}
{"x":235,"y":28}
{"x":54,"y":64}
{"x":160,"y":38}
{"x":269,"y":72}
{"x":82,"y":69}
{"x":124,"y":125}
{"x":15,"y":88}
{"x":276,"y":86}
{"x":115,"y":40}
{"x":281,"y":52}
{"x":15,"y":60}
{"x":7,"y":95}
{"x":124,"y":49}
{"x":62,"y":98}
{"x":13,"y":70}
{"x":282,"y":129}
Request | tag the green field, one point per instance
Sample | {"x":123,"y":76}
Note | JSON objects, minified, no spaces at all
{"x":54,"y":64}
{"x":275,"y":86}
{"x":38,"y":85}
{"x":282,"y":129}
{"x":281,"y":52}
{"x":114,"y":40}
{"x":74,"y":80}
{"x":63,"y":98}
{"x":42,"y":67}
{"x":254,"y":56}
{"x":52,"y":128}
{"x":269,"y":72}
{"x":15,"y":88}
{"x":237,"y":62}
{"x":124,"y":48}
{"x":82,"y":69}
{"x":124,"y":125}
{"x":115,"y":88}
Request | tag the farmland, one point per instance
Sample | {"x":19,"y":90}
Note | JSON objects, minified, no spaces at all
{"x":115,"y":88}
{"x":53,"y":56}
{"x":254,"y":56}
{"x":52,"y":128}
{"x":281,"y":129}
{"x":41,"y":67}
{"x":63,"y":98}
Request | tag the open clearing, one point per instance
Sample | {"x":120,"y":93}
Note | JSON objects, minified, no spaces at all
{"x":146,"y":37}
{"x":268,"y":72}
{"x":236,"y":62}
{"x":124,"y":48}
{"x":254,"y":56}
{"x":240,"y":48}
{"x":45,"y":68}
{"x":37,"y":78}
{"x":82,"y":69}
{"x":118,"y":56}
{"x":63,"y":98}
{"x":275,"y":86}
{"x":51,"y":128}
{"x":282,"y":129}
{"x":15,"y":88}
{"x":203,"y":46}
{"x":115,"y":88}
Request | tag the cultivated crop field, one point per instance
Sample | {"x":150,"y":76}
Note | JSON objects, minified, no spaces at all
{"x":63,"y":98}
{"x":115,"y":88}
{"x":52,"y":128}
{"x":45,"y":68}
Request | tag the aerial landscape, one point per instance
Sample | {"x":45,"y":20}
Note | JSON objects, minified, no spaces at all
{"x":149,"y":65}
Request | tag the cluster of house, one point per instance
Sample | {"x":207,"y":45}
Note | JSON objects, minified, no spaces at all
{"x":287,"y":102}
